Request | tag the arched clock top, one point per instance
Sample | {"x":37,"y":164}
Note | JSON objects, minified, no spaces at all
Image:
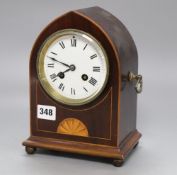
{"x":75,"y":20}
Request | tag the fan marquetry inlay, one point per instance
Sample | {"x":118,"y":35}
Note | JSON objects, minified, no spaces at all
{"x":72,"y":126}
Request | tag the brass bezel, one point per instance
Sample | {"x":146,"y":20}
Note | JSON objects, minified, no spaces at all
{"x":41,"y":73}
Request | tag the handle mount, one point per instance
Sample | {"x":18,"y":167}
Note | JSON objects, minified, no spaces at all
{"x":138,"y":79}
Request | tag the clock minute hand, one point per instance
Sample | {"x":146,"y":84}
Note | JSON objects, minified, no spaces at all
{"x":53,"y":59}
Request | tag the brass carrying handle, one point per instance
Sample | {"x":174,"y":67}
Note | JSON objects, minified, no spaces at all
{"x":139,"y":83}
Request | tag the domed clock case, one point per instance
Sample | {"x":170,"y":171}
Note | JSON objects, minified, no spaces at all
{"x":105,"y":126}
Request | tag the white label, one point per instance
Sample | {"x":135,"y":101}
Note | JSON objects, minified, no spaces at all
{"x":46,"y":112}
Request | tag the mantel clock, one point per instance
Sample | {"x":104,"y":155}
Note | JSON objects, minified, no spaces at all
{"x":83,"y":86}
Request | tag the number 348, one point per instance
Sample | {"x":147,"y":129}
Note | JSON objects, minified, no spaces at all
{"x":46,"y":111}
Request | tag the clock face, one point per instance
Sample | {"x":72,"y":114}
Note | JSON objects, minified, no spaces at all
{"x":72,"y":67}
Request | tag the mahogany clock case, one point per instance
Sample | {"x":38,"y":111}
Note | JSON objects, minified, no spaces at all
{"x":111,"y":117}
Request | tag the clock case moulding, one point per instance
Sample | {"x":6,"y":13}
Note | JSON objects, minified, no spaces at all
{"x":111,"y":118}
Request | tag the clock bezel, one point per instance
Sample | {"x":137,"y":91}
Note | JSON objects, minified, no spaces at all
{"x":41,"y":73}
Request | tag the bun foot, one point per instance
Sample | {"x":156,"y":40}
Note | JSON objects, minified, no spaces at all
{"x":135,"y":145}
{"x":30,"y":150}
{"x":118,"y":162}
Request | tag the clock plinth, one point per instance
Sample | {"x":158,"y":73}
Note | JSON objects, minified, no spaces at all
{"x":118,"y":154}
{"x":83,"y":87}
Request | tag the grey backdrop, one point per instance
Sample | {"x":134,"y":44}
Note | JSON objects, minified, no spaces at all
{"x":153,"y":25}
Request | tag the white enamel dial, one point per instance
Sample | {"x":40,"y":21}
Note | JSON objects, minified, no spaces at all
{"x":72,"y":67}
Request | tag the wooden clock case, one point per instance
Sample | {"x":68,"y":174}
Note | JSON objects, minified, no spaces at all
{"x":111,"y":118}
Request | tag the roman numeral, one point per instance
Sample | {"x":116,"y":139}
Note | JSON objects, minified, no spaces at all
{"x":73,"y":92}
{"x":53,"y":77}
{"x":93,"y":56}
{"x":54,"y":53}
{"x":50,"y":65}
{"x":73,"y":41}
{"x":62,"y":44}
{"x":85,"y":89}
{"x":61,"y":86}
{"x":96,"y":69}
{"x":85,"y":46}
{"x":92,"y":81}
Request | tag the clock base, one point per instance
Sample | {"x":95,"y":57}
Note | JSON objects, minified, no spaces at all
{"x":118,"y":154}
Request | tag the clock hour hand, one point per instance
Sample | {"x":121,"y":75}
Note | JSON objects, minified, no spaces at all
{"x":53,"y":59}
{"x":62,"y":74}
{"x":67,"y":70}
{"x":71,"y":68}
